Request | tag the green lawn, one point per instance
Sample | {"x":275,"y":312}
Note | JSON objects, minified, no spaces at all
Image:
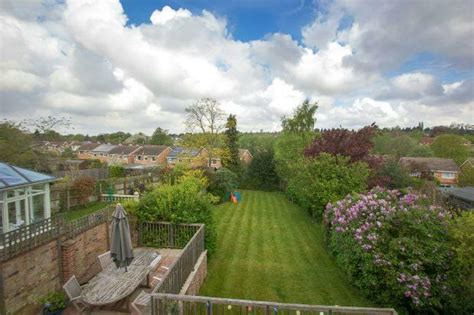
{"x":80,"y":212}
{"x":269,"y":249}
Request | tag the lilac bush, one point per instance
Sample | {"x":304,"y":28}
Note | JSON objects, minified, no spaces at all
{"x":394,"y":247}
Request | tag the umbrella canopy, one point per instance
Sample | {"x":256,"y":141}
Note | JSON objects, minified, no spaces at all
{"x":121,"y":241}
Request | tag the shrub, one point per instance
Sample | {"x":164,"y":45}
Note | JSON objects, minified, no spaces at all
{"x":116,"y":171}
{"x":326,"y":178}
{"x":184,"y":202}
{"x":54,"y":301}
{"x":395,"y":249}
{"x":261,"y":173}
{"x":82,"y":188}
{"x":221,"y":182}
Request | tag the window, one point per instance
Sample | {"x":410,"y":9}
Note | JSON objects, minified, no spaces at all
{"x":448,"y":175}
{"x":139,"y":157}
{"x":95,"y":154}
{"x":153,"y":158}
{"x":146,"y":158}
{"x":213,"y":161}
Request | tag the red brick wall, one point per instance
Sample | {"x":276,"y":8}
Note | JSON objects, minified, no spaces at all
{"x":30,"y":276}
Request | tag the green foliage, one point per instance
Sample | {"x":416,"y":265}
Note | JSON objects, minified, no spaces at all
{"x":231,"y":160}
{"x":326,"y":178}
{"x":184,"y":202}
{"x":302,"y":120}
{"x":82,"y":188}
{"x":393,"y":175}
{"x":256,"y":141}
{"x":397,"y":250}
{"x":221,"y":182}
{"x":466,"y":178}
{"x":161,"y":137}
{"x":399,"y":146}
{"x":461,"y":276}
{"x":451,"y":147}
{"x":54,"y":301}
{"x":116,"y":171}
{"x":261,"y":173}
{"x":16,"y":147}
{"x":289,"y":149}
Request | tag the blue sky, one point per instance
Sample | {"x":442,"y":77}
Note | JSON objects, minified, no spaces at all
{"x":247,"y":19}
{"x":135,"y":65}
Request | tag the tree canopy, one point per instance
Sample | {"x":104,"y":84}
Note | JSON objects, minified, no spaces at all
{"x":450,"y":146}
{"x":160,"y":137}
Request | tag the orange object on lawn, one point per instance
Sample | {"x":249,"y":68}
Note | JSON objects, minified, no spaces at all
{"x":233,"y":198}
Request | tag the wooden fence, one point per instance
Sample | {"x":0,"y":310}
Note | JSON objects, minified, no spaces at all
{"x":190,"y":237}
{"x":188,"y":304}
{"x":95,"y":173}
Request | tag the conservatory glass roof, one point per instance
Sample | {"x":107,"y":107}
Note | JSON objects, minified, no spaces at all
{"x":12,"y":176}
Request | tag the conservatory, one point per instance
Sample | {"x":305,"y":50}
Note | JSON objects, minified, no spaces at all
{"x":24,"y":197}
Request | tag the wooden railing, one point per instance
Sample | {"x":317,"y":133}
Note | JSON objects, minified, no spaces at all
{"x":116,"y":197}
{"x":189,"y":237}
{"x":187,"y":304}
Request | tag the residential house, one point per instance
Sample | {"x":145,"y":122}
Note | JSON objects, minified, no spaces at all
{"x":245,"y":157}
{"x":151,"y":155}
{"x":102,"y":152}
{"x":194,"y":157}
{"x":469,"y":163}
{"x":122,"y":154}
{"x":84,"y":152}
{"x":445,"y":171}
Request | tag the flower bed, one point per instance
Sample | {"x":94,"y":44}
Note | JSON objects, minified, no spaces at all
{"x":395,"y":248}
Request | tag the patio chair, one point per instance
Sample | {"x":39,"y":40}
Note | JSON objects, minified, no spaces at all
{"x":142,"y":300}
{"x":105,"y":260}
{"x":74,"y":292}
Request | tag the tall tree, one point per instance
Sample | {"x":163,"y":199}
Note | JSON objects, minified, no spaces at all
{"x":302,"y":120}
{"x":160,"y":137}
{"x":206,"y":117}
{"x":451,"y":146}
{"x":231,"y":159}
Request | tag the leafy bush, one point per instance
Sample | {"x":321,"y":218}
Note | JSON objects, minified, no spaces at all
{"x":54,"y":301}
{"x":395,"y":248}
{"x":326,"y":178}
{"x":222,"y":182}
{"x":184,"y":202}
{"x":116,"y":171}
{"x":261,"y":173}
{"x":82,"y":188}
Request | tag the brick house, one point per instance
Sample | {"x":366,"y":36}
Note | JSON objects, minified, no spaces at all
{"x":194,"y":157}
{"x":84,"y":152}
{"x":151,"y":155}
{"x":445,"y":171}
{"x":122,"y":154}
{"x":102,"y":152}
{"x":245,"y":157}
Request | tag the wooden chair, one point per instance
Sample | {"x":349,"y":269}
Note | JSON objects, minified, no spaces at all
{"x":141,"y":301}
{"x":105,"y":260}
{"x":74,"y":292}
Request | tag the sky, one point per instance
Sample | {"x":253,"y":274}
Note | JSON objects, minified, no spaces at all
{"x":134,"y":65}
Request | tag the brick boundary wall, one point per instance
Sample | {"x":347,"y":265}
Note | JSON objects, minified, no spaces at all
{"x":29,"y":276}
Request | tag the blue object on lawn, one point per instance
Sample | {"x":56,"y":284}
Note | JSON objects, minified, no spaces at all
{"x":237,"y":195}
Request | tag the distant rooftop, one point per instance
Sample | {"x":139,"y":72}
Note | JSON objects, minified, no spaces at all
{"x":14,"y":176}
{"x":105,"y":148}
{"x":180,"y":151}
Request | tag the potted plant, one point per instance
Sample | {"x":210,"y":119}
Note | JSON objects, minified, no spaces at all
{"x":54,"y":303}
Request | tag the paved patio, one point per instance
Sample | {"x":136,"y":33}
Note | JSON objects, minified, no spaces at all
{"x":168,"y":257}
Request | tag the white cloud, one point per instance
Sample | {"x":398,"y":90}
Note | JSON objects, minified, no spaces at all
{"x":82,"y":59}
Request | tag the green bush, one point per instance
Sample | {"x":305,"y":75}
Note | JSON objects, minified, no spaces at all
{"x":54,"y":301}
{"x":184,"y":202}
{"x":261,"y":173}
{"x":116,"y":171}
{"x":326,"y":178}
{"x":398,"y":251}
{"x":221,"y":182}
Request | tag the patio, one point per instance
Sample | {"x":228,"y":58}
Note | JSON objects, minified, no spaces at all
{"x":168,"y":257}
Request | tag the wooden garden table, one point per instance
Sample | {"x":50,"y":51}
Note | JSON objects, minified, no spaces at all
{"x":114,"y":284}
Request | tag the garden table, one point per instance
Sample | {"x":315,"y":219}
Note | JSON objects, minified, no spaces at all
{"x":114,"y":284}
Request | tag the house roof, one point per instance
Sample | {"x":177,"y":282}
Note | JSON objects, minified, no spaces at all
{"x":180,"y":151}
{"x":469,"y":161}
{"x":88,"y":146}
{"x":151,"y":149}
{"x":13,"y":176}
{"x":242,"y":152}
{"x":104,"y":148}
{"x":124,"y":149}
{"x":433,"y":164}
{"x":465,"y":193}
